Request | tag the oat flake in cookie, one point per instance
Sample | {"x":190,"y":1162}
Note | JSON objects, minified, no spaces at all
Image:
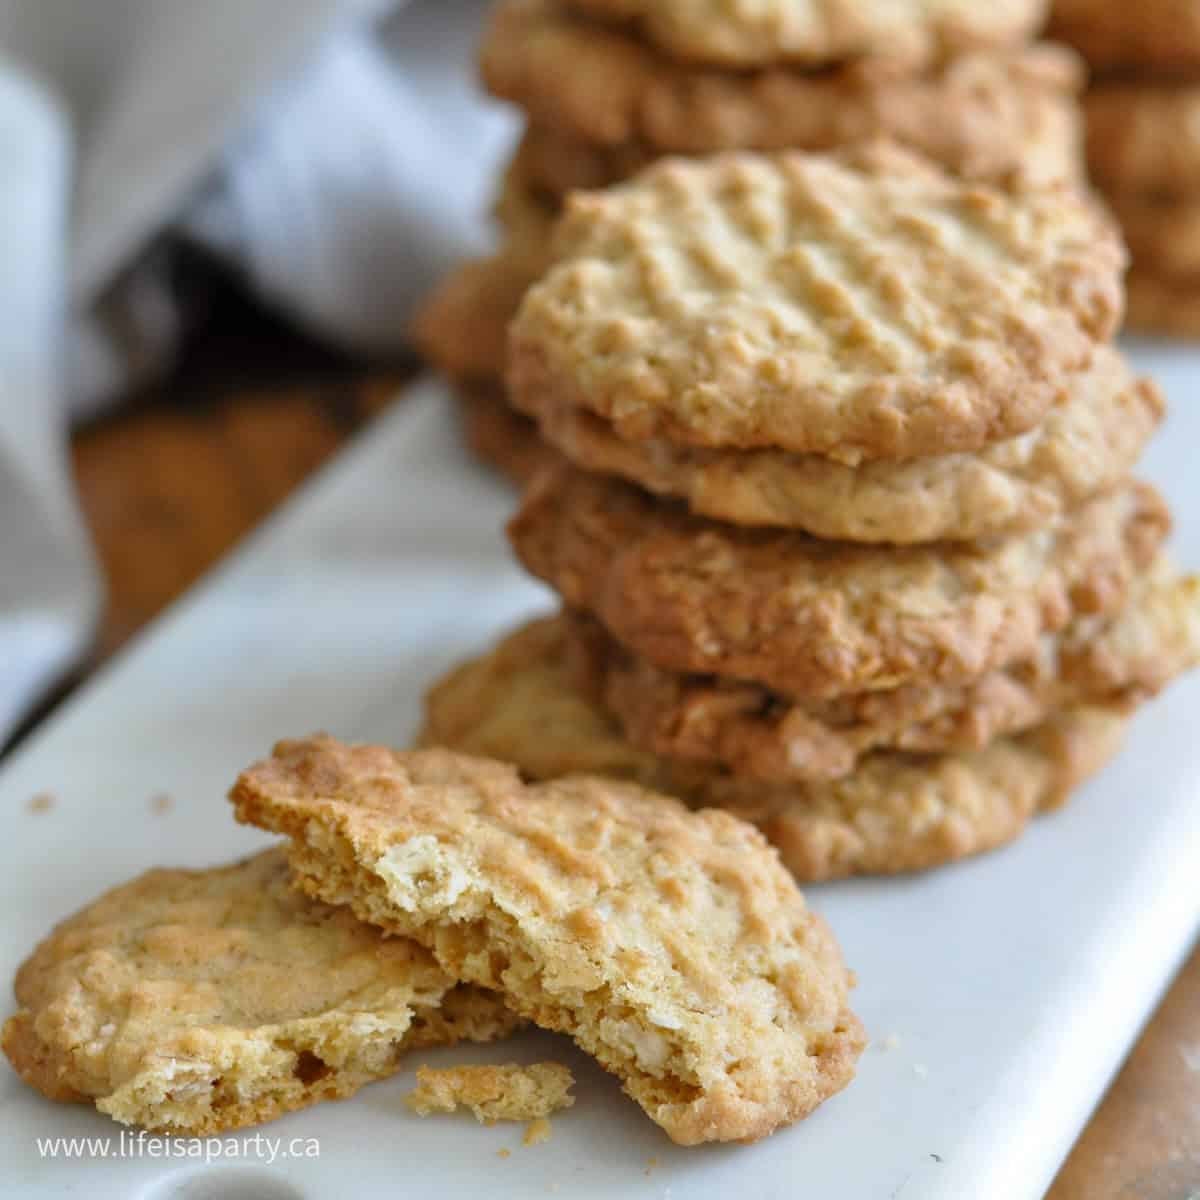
{"x":672,"y":945}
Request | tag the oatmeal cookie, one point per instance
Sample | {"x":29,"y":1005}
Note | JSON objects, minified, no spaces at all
{"x":736,"y":34}
{"x":1143,"y":137}
{"x":203,"y":1001}
{"x":499,"y":435}
{"x":462,"y":328}
{"x":1163,"y":235}
{"x":1153,"y":35}
{"x":1088,"y":442}
{"x":862,"y":305}
{"x":603,"y":104}
{"x":671,"y":945}
{"x":821,"y":619}
{"x":1163,"y":303}
{"x":756,"y":733}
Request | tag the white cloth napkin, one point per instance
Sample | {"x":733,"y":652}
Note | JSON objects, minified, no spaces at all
{"x":336,"y":151}
{"x":48,"y":589}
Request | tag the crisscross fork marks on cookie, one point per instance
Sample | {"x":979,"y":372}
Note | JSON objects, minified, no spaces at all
{"x":860,"y":306}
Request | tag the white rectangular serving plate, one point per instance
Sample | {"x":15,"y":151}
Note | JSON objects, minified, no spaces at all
{"x":1001,"y":993}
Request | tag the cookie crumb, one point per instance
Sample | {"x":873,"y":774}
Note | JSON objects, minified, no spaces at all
{"x":891,"y":1042}
{"x":161,"y":803}
{"x":502,"y":1093}
{"x":42,"y":802}
{"x":504,"y":1153}
{"x":537,"y":1132}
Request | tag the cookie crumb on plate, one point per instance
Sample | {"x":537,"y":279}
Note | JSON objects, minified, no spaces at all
{"x":511,"y":1092}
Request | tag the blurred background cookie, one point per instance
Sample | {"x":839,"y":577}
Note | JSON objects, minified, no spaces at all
{"x":1143,"y":144}
{"x":606,"y":88}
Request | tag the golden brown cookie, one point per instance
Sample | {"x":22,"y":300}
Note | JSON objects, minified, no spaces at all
{"x":1038,"y":137}
{"x":821,"y":619}
{"x":739,"y":34}
{"x":462,"y":327}
{"x":671,"y":945}
{"x":524,"y":211}
{"x":1163,"y":303}
{"x":499,"y":435}
{"x":203,"y":1001}
{"x":510,"y":1092}
{"x":1151,"y":35}
{"x":760,"y":734}
{"x":897,"y":812}
{"x":1143,"y":137}
{"x":911,"y":812}
{"x":862,"y":305}
{"x":550,"y":164}
{"x":604,"y":104}
{"x":527,"y":701}
{"x":1091,"y":438}
{"x":1163,"y":235}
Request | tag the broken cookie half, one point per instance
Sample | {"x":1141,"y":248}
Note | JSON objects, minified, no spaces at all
{"x":671,"y":945}
{"x":203,"y":1001}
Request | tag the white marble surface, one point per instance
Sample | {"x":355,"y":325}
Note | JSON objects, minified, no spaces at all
{"x":1002,"y":993}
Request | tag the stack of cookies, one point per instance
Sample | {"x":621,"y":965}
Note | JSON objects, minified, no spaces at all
{"x":608,"y":86}
{"x":1143,"y":116}
{"x":844,"y":526}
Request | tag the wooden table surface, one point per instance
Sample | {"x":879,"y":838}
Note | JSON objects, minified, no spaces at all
{"x":172,"y":481}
